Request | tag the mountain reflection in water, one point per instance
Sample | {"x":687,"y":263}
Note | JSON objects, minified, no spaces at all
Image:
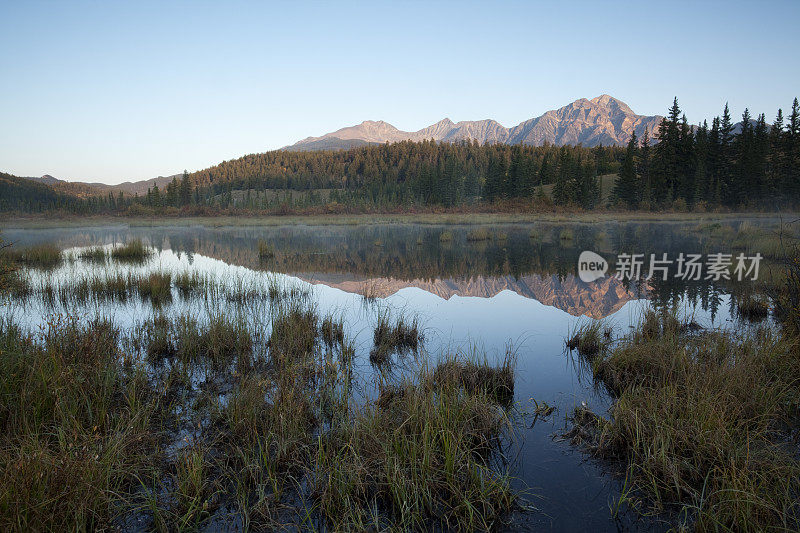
{"x":537,"y":261}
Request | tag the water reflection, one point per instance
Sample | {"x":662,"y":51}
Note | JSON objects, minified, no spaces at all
{"x":537,"y":261}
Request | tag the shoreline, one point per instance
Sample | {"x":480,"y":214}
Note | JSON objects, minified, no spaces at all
{"x":386,"y":218}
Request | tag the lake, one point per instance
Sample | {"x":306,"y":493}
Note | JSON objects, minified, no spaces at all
{"x":493,"y":289}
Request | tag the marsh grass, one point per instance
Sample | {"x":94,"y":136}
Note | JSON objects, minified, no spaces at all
{"x":371,"y":291}
{"x":419,"y":454}
{"x":193,"y":421}
{"x":265,"y":251}
{"x":42,"y":256}
{"x":588,"y":338}
{"x":132,"y":252}
{"x":699,"y":420}
{"x":74,"y":426}
{"x":95,"y":254}
{"x":477,"y":376}
{"x":478,"y":235}
{"x":401,"y":336}
{"x":191,"y":283}
{"x":332,"y":330}
{"x":15,"y":283}
{"x":446,"y":236}
{"x":752,"y":307}
{"x":156,"y":287}
{"x":294,"y":333}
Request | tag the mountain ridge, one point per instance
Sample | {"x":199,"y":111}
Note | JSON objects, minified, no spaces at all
{"x":590,"y":122}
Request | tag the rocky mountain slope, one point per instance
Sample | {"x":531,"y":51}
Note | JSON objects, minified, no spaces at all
{"x":602,"y":120}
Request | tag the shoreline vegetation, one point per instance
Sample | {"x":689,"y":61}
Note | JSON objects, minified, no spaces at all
{"x":703,"y":423}
{"x":245,"y":412}
{"x":444,"y":217}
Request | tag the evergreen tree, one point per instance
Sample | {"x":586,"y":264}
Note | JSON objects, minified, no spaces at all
{"x":185,"y":194}
{"x":725,"y":158}
{"x":626,"y":188}
{"x":644,"y":169}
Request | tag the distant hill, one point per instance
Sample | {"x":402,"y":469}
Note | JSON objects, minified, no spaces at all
{"x":25,"y":194}
{"x":601,"y":120}
{"x":83,"y":189}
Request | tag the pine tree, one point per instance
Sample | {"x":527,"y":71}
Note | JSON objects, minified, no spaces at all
{"x":725,"y":158}
{"x":760,"y":152}
{"x":644,"y":169}
{"x":776,"y":161}
{"x":701,"y":181}
{"x":792,"y":152}
{"x":626,"y":188}
{"x":185,"y":193}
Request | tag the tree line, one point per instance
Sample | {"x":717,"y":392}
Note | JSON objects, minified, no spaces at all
{"x":758,"y":165}
{"x":748,"y":164}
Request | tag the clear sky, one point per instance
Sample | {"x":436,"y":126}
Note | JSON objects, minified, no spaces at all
{"x":116,"y":91}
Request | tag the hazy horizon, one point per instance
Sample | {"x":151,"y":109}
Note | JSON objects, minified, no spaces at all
{"x":114,"y":93}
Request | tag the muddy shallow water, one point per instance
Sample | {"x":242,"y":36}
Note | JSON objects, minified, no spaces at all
{"x":507,"y":287}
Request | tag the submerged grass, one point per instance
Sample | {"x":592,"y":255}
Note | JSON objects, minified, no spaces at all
{"x":699,"y":421}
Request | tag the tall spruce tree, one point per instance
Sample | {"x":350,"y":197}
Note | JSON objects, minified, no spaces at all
{"x":626,"y":188}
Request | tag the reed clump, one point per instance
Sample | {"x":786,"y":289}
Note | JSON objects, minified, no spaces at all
{"x":401,"y":337}
{"x":700,"y":419}
{"x":190,"y":283}
{"x":94,"y":254}
{"x":478,"y":235}
{"x":294,"y":332}
{"x":588,"y":338}
{"x":265,"y":251}
{"x":156,"y":287}
{"x":134,"y":251}
{"x":496,"y":382}
{"x":422,"y":454}
{"x":752,"y":308}
{"x":332,"y":331}
{"x":42,"y":256}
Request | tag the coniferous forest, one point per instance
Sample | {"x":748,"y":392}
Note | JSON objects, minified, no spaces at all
{"x":746,"y":164}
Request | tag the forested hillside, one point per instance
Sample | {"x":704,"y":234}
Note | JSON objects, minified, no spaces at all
{"x":751,"y":164}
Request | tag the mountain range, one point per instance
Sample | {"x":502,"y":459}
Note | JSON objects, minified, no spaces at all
{"x":601,"y":120}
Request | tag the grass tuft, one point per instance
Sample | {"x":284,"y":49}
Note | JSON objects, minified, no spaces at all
{"x":133,"y":252}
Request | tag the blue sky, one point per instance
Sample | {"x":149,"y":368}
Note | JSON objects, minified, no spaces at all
{"x":115,"y":91}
